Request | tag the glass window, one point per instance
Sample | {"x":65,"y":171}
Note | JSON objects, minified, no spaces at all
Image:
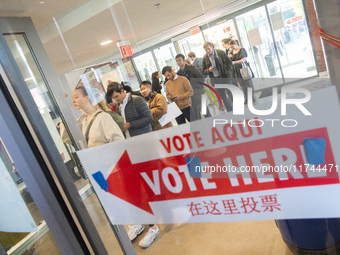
{"x":193,"y":43}
{"x":130,"y":73}
{"x":165,"y":56}
{"x":145,"y":65}
{"x":219,"y":32}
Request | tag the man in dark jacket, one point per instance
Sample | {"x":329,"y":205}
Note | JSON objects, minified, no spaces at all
{"x":192,"y":72}
{"x":133,"y":109}
{"x":216,"y":64}
{"x":195,"y":61}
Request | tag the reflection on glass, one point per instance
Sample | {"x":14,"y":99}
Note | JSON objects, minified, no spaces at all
{"x":219,"y":32}
{"x":292,"y":39}
{"x":192,"y":43}
{"x":256,"y":39}
{"x":19,"y":216}
{"x":45,"y":103}
{"x":130,"y":72}
{"x":51,"y":116}
{"x":145,"y":66}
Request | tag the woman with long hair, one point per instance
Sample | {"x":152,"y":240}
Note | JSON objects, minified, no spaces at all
{"x":156,"y":85}
{"x":103,"y":128}
{"x":238,"y":57}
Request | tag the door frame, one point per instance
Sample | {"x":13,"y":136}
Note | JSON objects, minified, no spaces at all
{"x":25,"y":153}
{"x":28,"y":111}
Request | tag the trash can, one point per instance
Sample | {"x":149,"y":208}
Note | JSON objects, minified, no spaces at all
{"x":270,"y":64}
{"x":310,"y":236}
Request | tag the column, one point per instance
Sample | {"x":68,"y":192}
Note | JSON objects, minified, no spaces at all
{"x":328,"y":13}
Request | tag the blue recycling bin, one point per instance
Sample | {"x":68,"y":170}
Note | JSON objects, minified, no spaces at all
{"x":310,"y":236}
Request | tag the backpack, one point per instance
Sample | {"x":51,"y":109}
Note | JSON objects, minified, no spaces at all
{"x":200,"y":64}
{"x":115,"y":116}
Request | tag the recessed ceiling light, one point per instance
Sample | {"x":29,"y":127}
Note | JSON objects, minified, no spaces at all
{"x":30,"y":78}
{"x":107,"y":42}
{"x":42,"y":2}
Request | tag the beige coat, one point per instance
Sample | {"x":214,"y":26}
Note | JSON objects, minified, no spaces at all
{"x":158,"y":108}
{"x":180,"y":87}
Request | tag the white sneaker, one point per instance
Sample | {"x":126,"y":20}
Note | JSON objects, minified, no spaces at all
{"x":149,"y":237}
{"x":134,"y":230}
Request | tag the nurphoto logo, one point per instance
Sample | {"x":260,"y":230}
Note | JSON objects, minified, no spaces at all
{"x":238,"y":101}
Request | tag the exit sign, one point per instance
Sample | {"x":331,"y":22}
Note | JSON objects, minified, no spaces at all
{"x":126,"y":51}
{"x":227,"y":29}
{"x":194,"y":30}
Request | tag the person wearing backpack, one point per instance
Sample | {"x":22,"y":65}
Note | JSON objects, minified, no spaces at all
{"x":97,"y":126}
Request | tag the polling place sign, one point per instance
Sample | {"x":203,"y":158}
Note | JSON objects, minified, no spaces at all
{"x":225,"y":168}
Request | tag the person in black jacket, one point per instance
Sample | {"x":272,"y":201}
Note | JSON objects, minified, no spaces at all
{"x":192,"y":72}
{"x":195,"y":61}
{"x":156,"y":85}
{"x":133,"y":109}
{"x":217,"y":64}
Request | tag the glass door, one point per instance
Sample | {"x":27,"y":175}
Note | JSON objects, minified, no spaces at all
{"x":292,"y":39}
{"x":20,"y":218}
{"x":256,"y":38}
{"x":32,"y":219}
{"x":26,"y":48}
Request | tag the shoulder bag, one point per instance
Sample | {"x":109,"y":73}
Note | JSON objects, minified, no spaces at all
{"x":115,"y":116}
{"x":246,"y":72}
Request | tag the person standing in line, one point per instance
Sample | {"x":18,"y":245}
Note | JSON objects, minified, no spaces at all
{"x":239,"y":56}
{"x":138,"y":118}
{"x":217,"y":64}
{"x":187,"y":61}
{"x":156,"y":84}
{"x":179,"y":90}
{"x":157,"y":104}
{"x":103,"y":128}
{"x":196,"y":61}
{"x":108,"y":99}
{"x":192,"y":73}
{"x":226,"y":46}
{"x":166,"y":79}
{"x":188,"y":71}
{"x":231,"y":37}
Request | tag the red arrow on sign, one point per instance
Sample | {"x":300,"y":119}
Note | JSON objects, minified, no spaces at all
{"x":141,"y":183}
{"x":169,"y":179}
